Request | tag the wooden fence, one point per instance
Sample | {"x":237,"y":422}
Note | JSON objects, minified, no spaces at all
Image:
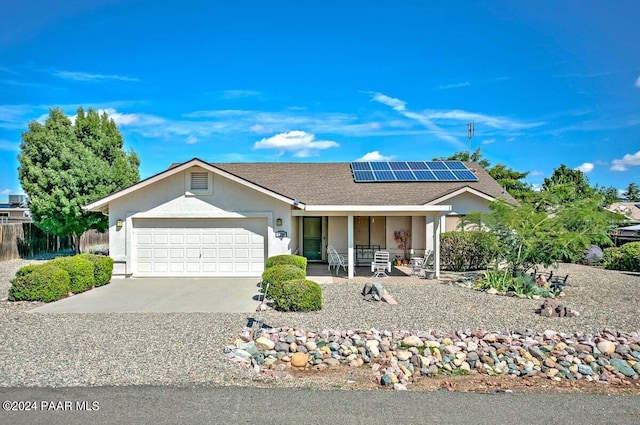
{"x":20,"y":240}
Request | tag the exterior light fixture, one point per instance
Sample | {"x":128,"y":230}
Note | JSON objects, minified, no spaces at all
{"x":278,"y":222}
{"x":119,"y":223}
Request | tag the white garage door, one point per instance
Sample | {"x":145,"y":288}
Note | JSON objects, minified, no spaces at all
{"x":199,"y":247}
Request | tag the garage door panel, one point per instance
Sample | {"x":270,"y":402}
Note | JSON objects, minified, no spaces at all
{"x":199,"y":247}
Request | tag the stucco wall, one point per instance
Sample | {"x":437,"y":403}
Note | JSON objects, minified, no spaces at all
{"x":337,"y":233}
{"x":168,"y":198}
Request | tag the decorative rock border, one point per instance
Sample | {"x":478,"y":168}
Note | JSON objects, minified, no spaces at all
{"x":399,"y":357}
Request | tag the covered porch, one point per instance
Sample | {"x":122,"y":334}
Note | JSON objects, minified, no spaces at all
{"x":357,"y":231}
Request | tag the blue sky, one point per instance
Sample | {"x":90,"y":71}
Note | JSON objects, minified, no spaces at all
{"x":558,"y":82}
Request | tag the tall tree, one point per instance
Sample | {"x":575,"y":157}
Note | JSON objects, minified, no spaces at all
{"x":565,"y":185}
{"x":609,"y":194}
{"x":632,"y":194}
{"x":511,"y":180}
{"x":65,"y":165}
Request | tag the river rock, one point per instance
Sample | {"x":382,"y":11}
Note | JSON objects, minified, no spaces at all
{"x":606,"y":347}
{"x":623,"y":367}
{"x":412,"y":341}
{"x":264,"y":342}
{"x":299,"y":359}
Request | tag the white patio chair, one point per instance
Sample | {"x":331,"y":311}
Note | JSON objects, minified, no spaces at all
{"x":427,"y":265}
{"x":417,"y":263}
{"x":380,"y":264}
{"x":336,"y":260}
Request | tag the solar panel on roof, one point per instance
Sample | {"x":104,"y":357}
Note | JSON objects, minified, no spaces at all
{"x":384,"y":175}
{"x":464,"y":175}
{"x":405,"y":175}
{"x":436,"y":165}
{"x":417,"y":165}
{"x":456,"y":165}
{"x":424,"y":175}
{"x":363,"y":176}
{"x":399,"y":165}
{"x":411,"y":171}
{"x":380,"y":165}
{"x":364,"y":166}
{"x":444,"y":175}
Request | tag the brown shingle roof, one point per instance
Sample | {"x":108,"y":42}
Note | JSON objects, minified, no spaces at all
{"x":333,"y":184}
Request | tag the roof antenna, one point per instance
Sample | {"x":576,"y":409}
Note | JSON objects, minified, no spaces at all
{"x":470,"y":131}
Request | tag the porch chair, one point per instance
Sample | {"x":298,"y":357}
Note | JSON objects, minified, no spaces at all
{"x":380,"y":264}
{"x":418,"y":262}
{"x":336,"y":260}
{"x":427,"y":265}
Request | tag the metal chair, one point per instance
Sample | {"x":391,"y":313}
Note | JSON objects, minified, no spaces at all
{"x":418,"y":262}
{"x":427,"y":265}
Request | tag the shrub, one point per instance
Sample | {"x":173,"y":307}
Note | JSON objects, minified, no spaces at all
{"x":279,"y":274}
{"x":503,"y":281}
{"x":299,"y":295}
{"x":43,"y":282}
{"x":103,"y":268}
{"x":81,"y":272}
{"x":285,"y":259}
{"x":463,"y":251}
{"x":627,"y":257}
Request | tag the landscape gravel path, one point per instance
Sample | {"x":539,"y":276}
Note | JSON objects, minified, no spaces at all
{"x":181,"y":348}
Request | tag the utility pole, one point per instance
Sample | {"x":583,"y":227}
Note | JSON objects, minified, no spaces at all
{"x":470,"y":130}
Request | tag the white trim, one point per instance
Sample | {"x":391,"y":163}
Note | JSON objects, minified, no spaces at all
{"x":375,"y":208}
{"x":102,"y":205}
{"x":460,"y":191}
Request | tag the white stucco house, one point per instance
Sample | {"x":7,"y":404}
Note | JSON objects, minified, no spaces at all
{"x":224,"y":219}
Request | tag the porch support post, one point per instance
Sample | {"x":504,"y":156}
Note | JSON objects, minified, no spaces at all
{"x":436,"y":244}
{"x":350,"y":256}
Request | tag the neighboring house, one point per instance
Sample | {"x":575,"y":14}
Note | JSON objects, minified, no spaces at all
{"x":15,"y":210}
{"x":224,"y":219}
{"x":631,"y":210}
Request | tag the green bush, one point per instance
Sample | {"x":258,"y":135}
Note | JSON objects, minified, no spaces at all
{"x":43,"y":282}
{"x":503,"y":281}
{"x":279,"y":274}
{"x":463,"y":250}
{"x":299,"y":295}
{"x":627,"y":257}
{"x":285,"y":259}
{"x":103,"y":268}
{"x":81,"y":272}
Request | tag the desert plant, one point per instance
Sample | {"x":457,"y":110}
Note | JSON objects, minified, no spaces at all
{"x":279,"y":274}
{"x":298,"y":295}
{"x":80,"y":270}
{"x":103,"y":268}
{"x":293,"y":260}
{"x":43,"y":282}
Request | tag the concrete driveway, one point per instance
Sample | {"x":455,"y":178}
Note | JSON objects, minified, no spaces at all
{"x":163,"y":295}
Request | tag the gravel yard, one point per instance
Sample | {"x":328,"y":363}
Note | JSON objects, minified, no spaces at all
{"x":178,"y":348}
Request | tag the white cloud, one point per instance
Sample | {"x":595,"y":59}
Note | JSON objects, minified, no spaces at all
{"x":375,"y":156}
{"x":6,"y":192}
{"x":638,"y":82}
{"x":586,"y":167}
{"x":626,"y":161}
{"x":192,"y":140}
{"x":303,"y":144}
{"x":396,"y":104}
{"x":488,"y":141}
{"x":454,"y":85}
{"x":535,"y":173}
{"x":498,"y":122}
{"x":511,"y":139}
{"x":89,"y":77}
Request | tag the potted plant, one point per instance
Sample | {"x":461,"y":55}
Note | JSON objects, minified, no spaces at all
{"x":402,"y":238}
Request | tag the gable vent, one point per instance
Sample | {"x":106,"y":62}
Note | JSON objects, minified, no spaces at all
{"x":200,"y":181}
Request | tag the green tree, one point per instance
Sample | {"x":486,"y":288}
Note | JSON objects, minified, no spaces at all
{"x":632,"y":194}
{"x":65,"y":165}
{"x":609,"y":194}
{"x":529,"y":236}
{"x":511,"y":180}
{"x":567,"y":185}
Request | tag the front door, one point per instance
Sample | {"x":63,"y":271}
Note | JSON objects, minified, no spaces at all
{"x":312,"y":238}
